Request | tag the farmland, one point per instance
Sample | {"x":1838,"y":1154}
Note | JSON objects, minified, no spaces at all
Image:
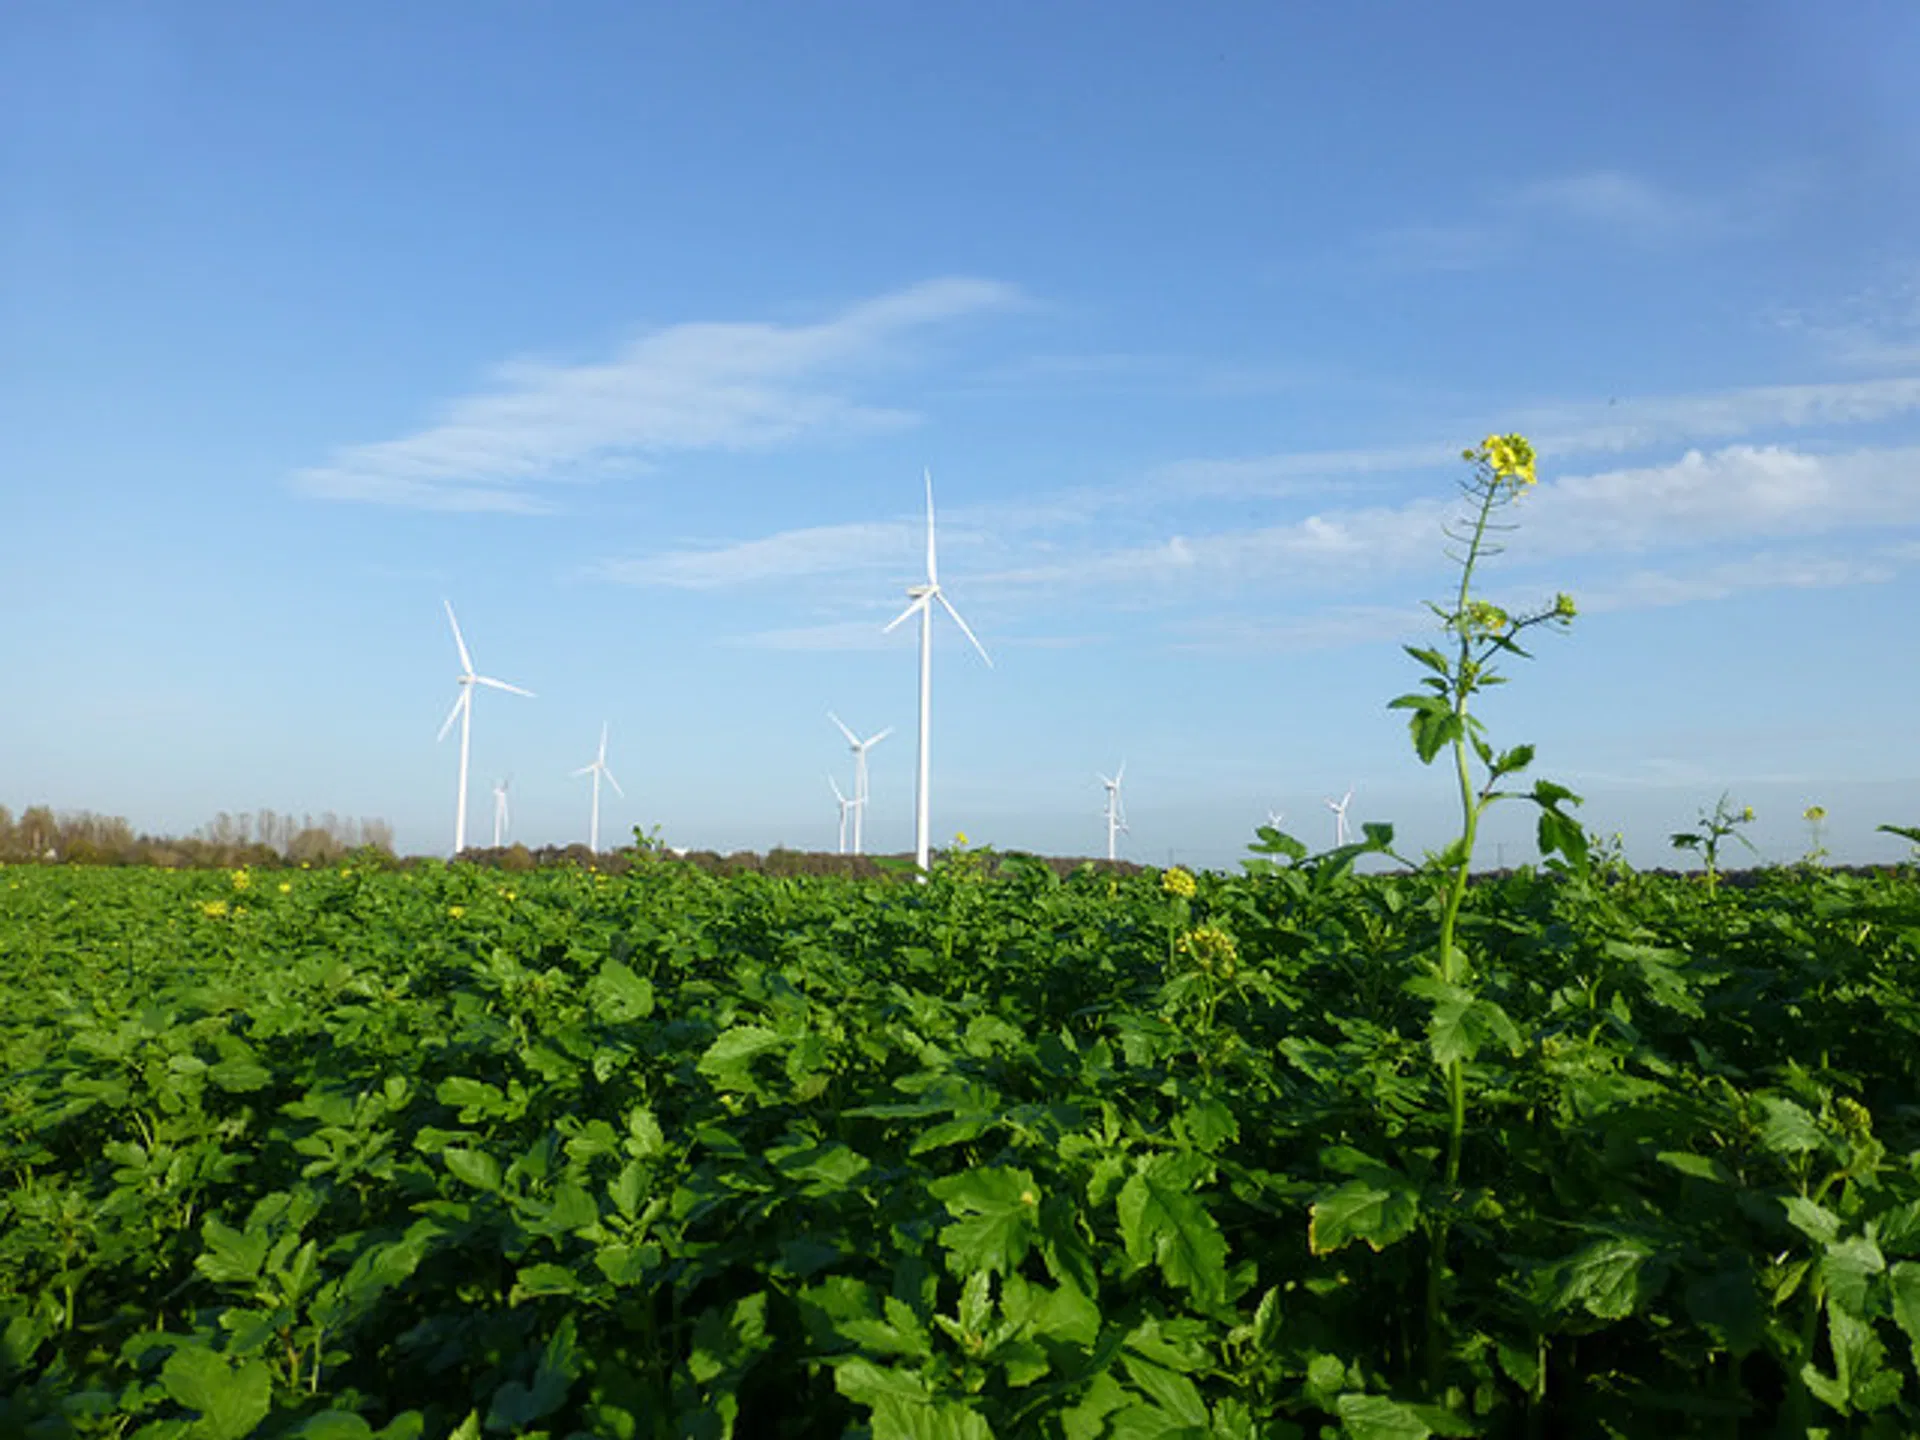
{"x":337,"y":1152}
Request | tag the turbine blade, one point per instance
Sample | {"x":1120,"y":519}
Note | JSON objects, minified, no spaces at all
{"x":920,"y":602}
{"x":453,"y":714}
{"x":965,"y":628}
{"x":603,"y":740}
{"x":878,"y":738}
{"x":613,"y":782}
{"x":836,"y":790}
{"x":502,"y":685}
{"x":584,"y":770}
{"x":466,"y":660}
{"x":852,"y":739}
{"x":933,"y":576}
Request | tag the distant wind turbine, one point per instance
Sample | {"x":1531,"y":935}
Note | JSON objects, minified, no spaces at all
{"x":597,"y":769}
{"x":500,"y":811}
{"x":1274,"y":817}
{"x":860,"y":791}
{"x":921,"y":598}
{"x":1116,"y":813}
{"x":463,"y":712}
{"x":1339,"y":809}
{"x":848,"y":806}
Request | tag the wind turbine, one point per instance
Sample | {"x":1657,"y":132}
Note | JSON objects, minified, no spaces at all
{"x":500,"y":811}
{"x":597,"y":769}
{"x":847,"y":806}
{"x":921,"y":598}
{"x":1274,"y":817}
{"x":463,"y":712}
{"x":1116,"y":814}
{"x":1339,"y":809}
{"x":860,"y":792}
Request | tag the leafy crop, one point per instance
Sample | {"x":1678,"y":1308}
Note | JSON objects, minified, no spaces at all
{"x":427,"y":1153}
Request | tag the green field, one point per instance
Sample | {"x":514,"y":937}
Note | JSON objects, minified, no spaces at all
{"x":442,"y":1151}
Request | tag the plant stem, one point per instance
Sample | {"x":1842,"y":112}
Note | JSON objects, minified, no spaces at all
{"x":1450,"y":969}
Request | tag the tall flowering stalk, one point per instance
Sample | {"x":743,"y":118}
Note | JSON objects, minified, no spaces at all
{"x":1441,"y":719}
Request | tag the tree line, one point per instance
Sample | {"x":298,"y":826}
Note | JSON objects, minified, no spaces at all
{"x":262,"y":837}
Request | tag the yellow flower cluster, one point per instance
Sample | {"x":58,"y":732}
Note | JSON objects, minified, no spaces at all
{"x":1510,"y":457}
{"x":1212,"y":950}
{"x":1816,"y":813}
{"x":1483,"y":617}
{"x":1178,"y":881}
{"x":213,"y":909}
{"x":1563,"y":606}
{"x":241,"y":879}
{"x":286,"y":887}
{"x":456,"y":911}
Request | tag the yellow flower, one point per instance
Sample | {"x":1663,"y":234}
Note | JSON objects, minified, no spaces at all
{"x":456,"y":911}
{"x":1211,"y":949}
{"x":960,"y":837}
{"x":286,"y":887}
{"x":1510,"y":457}
{"x":1563,"y":606}
{"x":241,"y":879}
{"x":1178,"y":881}
{"x":1816,"y":813}
{"x":213,"y":909}
{"x":1747,"y":814}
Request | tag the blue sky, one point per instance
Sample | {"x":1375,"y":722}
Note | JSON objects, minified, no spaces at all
{"x":630,"y":328}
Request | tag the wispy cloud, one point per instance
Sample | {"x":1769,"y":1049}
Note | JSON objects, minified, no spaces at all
{"x":1603,"y":203}
{"x":1559,"y":432}
{"x":816,"y":550}
{"x":1876,"y":328}
{"x":1739,"y":493}
{"x":1627,"y":205}
{"x":1650,"y":589}
{"x":706,"y":386}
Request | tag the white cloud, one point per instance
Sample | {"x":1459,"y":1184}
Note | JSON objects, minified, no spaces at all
{"x":816,"y":550}
{"x":707,"y":386}
{"x":1558,"y":431}
{"x":1632,"y":206}
{"x":839,"y":635}
{"x":1738,"y":493}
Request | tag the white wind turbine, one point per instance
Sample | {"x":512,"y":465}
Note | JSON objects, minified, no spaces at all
{"x":597,"y":769}
{"x":500,"y":811}
{"x":847,"y":807}
{"x":921,"y":599}
{"x":1116,"y":813}
{"x":1339,"y":809}
{"x":1274,"y":817}
{"x":463,"y":712}
{"x":860,"y":791}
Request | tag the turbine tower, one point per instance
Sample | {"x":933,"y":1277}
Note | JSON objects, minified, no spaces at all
{"x":1339,"y":809}
{"x":921,"y":598}
{"x":500,"y":811}
{"x":847,"y":806}
{"x":1116,"y":813}
{"x":597,"y":769}
{"x":860,"y":791}
{"x":463,"y":712}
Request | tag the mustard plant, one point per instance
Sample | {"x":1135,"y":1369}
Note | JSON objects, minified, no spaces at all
{"x":1710,"y":831}
{"x":1441,"y":721}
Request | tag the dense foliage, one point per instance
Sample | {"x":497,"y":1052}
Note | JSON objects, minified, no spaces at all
{"x":449,"y":1151}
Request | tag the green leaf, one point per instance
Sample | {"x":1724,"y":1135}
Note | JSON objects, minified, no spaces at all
{"x":1170,"y":1391}
{"x":728,"y":1060}
{"x":473,"y":1167}
{"x":231,"y":1399}
{"x":1903,"y":1284}
{"x":1162,"y":1219}
{"x":618,"y":995}
{"x":1459,"y":1029}
{"x":1379,"y":1210}
{"x":1378,"y":1417}
{"x":516,"y":1405}
{"x":1608,"y":1278}
{"x":1787,"y":1129}
{"x":998,"y":1212}
{"x":240,"y":1074}
{"x":232,"y":1256}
